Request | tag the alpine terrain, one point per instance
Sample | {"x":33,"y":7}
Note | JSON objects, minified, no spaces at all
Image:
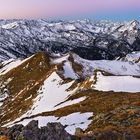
{"x":69,"y":80}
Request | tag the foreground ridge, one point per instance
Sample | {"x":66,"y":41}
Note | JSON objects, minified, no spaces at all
{"x":85,"y":96}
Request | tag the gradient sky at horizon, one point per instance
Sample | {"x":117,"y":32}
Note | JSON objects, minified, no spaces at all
{"x":70,"y":9}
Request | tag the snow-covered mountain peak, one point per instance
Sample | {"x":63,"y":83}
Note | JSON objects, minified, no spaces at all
{"x":135,"y":24}
{"x":12,"y":25}
{"x":132,"y":26}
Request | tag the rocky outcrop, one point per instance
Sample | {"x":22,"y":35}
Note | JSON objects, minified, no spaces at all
{"x":53,"y":131}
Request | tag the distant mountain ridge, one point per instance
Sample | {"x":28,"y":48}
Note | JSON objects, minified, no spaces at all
{"x":91,"y":40}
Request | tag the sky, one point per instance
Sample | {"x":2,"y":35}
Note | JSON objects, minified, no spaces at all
{"x":70,"y":9}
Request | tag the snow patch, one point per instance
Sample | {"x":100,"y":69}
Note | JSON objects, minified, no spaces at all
{"x":60,"y":59}
{"x":72,"y":121}
{"x":116,"y":67}
{"x":117,"y":83}
{"x":68,"y":71}
{"x":11,"y":64}
{"x":132,"y":57}
{"x":10,"y":25}
{"x":3,"y":97}
{"x":50,"y":94}
{"x":70,"y":102}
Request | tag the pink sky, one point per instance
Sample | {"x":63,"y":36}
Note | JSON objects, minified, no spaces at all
{"x":56,"y":8}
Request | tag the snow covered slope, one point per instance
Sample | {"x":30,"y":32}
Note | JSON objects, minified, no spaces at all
{"x":41,"y":90}
{"x":128,"y":65}
{"x":117,"y":83}
{"x":43,"y":85}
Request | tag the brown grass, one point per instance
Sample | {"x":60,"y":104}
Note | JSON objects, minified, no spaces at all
{"x":27,"y":78}
{"x":4,"y":138}
{"x":112,"y":111}
{"x":119,"y":111}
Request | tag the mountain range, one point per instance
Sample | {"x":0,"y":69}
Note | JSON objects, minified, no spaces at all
{"x":82,"y":74}
{"x":91,"y":40}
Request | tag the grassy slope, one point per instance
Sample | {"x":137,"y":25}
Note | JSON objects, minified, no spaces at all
{"x":112,"y":111}
{"x":27,"y":78}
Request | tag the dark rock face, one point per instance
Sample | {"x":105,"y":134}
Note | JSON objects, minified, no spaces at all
{"x":14,"y":131}
{"x":31,"y":131}
{"x":53,"y":131}
{"x":93,"y":53}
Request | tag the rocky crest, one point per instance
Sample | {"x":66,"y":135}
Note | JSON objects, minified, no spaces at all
{"x":52,"y":131}
{"x":55,"y":131}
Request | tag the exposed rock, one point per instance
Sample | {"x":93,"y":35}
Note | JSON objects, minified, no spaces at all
{"x":79,"y":132}
{"x":53,"y":131}
{"x":110,"y":135}
{"x":14,"y":131}
{"x":31,"y":131}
